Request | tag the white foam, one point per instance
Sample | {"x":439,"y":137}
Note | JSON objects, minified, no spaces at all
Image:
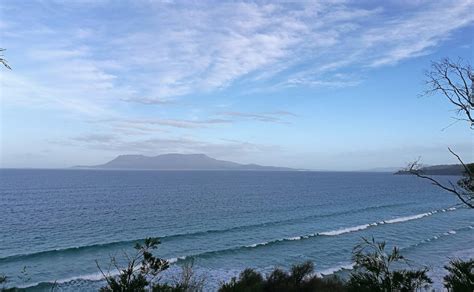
{"x":258,"y":244}
{"x":174,"y":260}
{"x":345,"y":230}
{"x":294,"y":238}
{"x":97,"y":276}
{"x":390,"y":221}
{"x":341,"y":230}
{"x":407,"y":218}
{"x":335,"y":269}
{"x":450,"y":232}
{"x":90,"y":277}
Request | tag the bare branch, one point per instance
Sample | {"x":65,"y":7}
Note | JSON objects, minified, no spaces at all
{"x":3,"y":61}
{"x":452,"y":190}
{"x":451,"y":79}
{"x":468,"y":171}
{"x":416,"y":168}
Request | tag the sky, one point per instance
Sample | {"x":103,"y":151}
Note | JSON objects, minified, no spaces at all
{"x":322,"y":85}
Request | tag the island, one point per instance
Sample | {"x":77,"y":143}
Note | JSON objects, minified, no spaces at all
{"x":176,"y":161}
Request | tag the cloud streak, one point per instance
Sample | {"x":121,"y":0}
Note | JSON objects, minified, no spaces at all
{"x":271,"y":117}
{"x":175,"y":50}
{"x":154,"y":146}
{"x":164,"y":71}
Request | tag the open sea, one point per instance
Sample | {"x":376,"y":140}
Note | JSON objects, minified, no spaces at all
{"x":55,"y":224}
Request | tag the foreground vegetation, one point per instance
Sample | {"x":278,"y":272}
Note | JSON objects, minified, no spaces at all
{"x":375,"y":269}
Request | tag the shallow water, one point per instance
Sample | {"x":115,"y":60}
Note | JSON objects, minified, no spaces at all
{"x":58,"y":222}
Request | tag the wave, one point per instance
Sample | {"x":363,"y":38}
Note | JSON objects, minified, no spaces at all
{"x":88,"y":277}
{"x":48,"y":285}
{"x":440,"y":236}
{"x":389,"y":221}
{"x":95,"y":277}
{"x":317,"y":234}
{"x":128,"y":243}
{"x":350,"y":266}
{"x":347,"y":230}
{"x":335,"y":269}
{"x":409,"y":218}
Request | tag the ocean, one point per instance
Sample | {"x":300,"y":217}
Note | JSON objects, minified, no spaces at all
{"x":55,"y":224}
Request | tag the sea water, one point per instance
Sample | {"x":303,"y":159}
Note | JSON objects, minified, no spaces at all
{"x":57,"y":225}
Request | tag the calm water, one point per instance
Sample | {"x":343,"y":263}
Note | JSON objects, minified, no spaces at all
{"x":58,"y":222}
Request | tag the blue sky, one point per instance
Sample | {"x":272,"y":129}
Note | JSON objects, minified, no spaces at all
{"x":315,"y":84}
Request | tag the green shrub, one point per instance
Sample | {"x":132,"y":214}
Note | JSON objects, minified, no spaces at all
{"x":249,"y":281}
{"x":300,"y":278}
{"x":373,"y":270}
{"x":187,"y":281}
{"x":460,"y":277}
{"x":140,"y":271}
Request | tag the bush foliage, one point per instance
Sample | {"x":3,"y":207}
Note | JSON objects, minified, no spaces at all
{"x":461,"y":276}
{"x":299,"y":278}
{"x":374,"y":270}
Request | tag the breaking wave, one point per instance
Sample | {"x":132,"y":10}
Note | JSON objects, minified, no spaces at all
{"x":128,"y":243}
{"x":335,"y":232}
{"x":96,"y":277}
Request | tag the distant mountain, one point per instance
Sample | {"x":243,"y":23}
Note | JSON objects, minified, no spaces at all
{"x":452,"y":169}
{"x":178,"y":162}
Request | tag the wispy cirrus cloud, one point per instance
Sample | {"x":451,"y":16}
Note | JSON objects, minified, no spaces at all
{"x":96,"y":138}
{"x":407,"y":37}
{"x":336,"y":80}
{"x":148,"y":100}
{"x":174,"y":50}
{"x":174,"y":123}
{"x":272,"y":117}
{"x":153,"y":146}
{"x":153,"y":125}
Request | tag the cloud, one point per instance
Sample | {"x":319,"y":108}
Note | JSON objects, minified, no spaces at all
{"x":184,"y":123}
{"x":149,"y":101}
{"x":30,"y":93}
{"x":283,"y":113}
{"x":172,"y":50}
{"x":154,"y":146}
{"x":337,"y":80}
{"x":151,"y":125}
{"x":95,"y":138}
{"x":273,"y":117}
{"x":407,"y":37}
{"x":175,"y":123}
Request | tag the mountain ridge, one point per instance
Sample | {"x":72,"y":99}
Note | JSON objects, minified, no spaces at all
{"x":177,"y":161}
